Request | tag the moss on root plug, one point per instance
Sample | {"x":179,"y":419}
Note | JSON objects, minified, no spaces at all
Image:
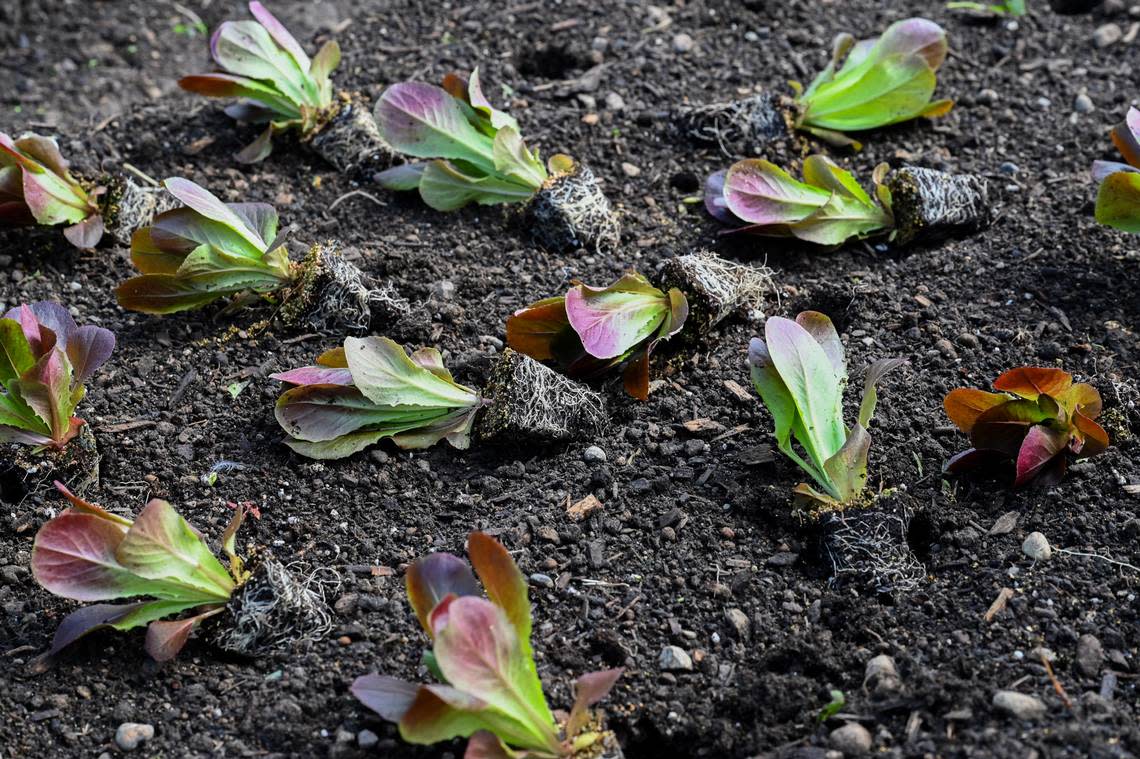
{"x":530,"y":403}
{"x":128,"y":206}
{"x":570,"y":211}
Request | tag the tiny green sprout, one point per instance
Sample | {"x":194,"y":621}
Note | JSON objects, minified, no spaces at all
{"x":212,"y":479}
{"x":837,"y":702}
{"x":235,"y":388}
{"x":132,"y":48}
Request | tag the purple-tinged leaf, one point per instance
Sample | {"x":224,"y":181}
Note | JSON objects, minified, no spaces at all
{"x":589,"y":689}
{"x":913,"y":36}
{"x":480,"y":103}
{"x":611,"y":321}
{"x":1040,"y":446}
{"x":325,"y":62}
{"x":847,"y":469}
{"x":759,"y":192}
{"x":205,"y":203}
{"x":971,"y":458}
{"x":486,"y":745}
{"x":74,"y":557}
{"x":165,"y":639}
{"x":401,"y":178}
{"x":88,"y":348}
{"x":259,"y":149}
{"x":280,"y":35}
{"x":424,"y":121}
{"x":503,"y":581}
{"x":874,"y":373}
{"x":85,"y":234}
{"x":45,"y":151}
{"x":249,"y":112}
{"x":387,"y":696}
{"x":315,"y":375}
{"x":715,"y":202}
{"x":1102,"y":170}
{"x":86,"y":507}
{"x":434,"y":577}
{"x":965,"y":404}
{"x":1004,"y":427}
{"x":821,"y":329}
{"x":88,"y":619}
{"x":228,"y":85}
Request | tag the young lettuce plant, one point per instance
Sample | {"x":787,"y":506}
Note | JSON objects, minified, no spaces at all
{"x":477,"y":155}
{"x":800,"y":372}
{"x":829,"y":207}
{"x":488,"y":690}
{"x":369,"y":390}
{"x":208,"y":250}
{"x":590,"y":330}
{"x":280,"y":86}
{"x":37,"y":187}
{"x":867,"y":85}
{"x":1038,"y":418}
{"x":1118,"y":196}
{"x":90,"y":554}
{"x":45,"y":362}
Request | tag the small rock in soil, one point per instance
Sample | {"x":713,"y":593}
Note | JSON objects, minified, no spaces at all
{"x":880,"y":676}
{"x":1083,"y":104}
{"x":131,"y":735}
{"x":1019,"y":705}
{"x":593,"y":455}
{"x":1036,"y":547}
{"x":542,"y":580}
{"x":738,"y":620}
{"x":852,"y":739}
{"x":614,"y":102}
{"x":1090,"y":655}
{"x":630,"y":170}
{"x":682,"y":42}
{"x":674,"y":659}
{"x":366,"y":739}
{"x":1107,"y":34}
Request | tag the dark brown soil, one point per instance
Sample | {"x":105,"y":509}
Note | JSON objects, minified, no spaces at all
{"x":691,"y":526}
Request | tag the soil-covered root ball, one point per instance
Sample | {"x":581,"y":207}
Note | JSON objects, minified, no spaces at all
{"x":570,"y":211}
{"x":274,"y":609}
{"x":530,"y":403}
{"x":868,"y":549}
{"x":350,"y":140}
{"x":715,"y":288}
{"x":331,"y":295}
{"x":738,"y":126}
{"x":128,"y":206}
{"x":24,"y":471}
{"x":931,"y":205}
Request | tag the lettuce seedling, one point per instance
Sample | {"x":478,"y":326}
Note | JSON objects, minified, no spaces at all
{"x":89,"y":554}
{"x":208,"y":250}
{"x":369,"y":390}
{"x":489,"y":690}
{"x":1118,"y":197}
{"x":800,"y":373}
{"x":828,"y":207}
{"x":591,"y":330}
{"x":280,"y":86}
{"x":1038,"y":417}
{"x":45,"y":362}
{"x":478,"y":156}
{"x":867,"y":85}
{"x":36,"y":187}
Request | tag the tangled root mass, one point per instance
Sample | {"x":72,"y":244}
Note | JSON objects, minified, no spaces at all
{"x":131,"y":206}
{"x":332,"y":297}
{"x":931,"y":205}
{"x":737,"y":126}
{"x":351,"y":141}
{"x":716,"y":288}
{"x":868,"y":547}
{"x":572,"y":212}
{"x":275,"y":609}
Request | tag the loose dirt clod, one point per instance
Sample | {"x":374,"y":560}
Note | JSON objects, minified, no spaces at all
{"x":868,"y":547}
{"x":24,"y":472}
{"x":715,"y":288}
{"x":931,"y":205}
{"x":572,"y":212}
{"x":739,"y":126}
{"x":331,"y":296}
{"x":350,"y":139}
{"x":532,"y":403}
{"x":273,"y":609}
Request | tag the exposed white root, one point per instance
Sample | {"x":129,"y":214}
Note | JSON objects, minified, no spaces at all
{"x":331,"y":295}
{"x":350,"y":140}
{"x":131,"y":205}
{"x":571,"y":212}
{"x":276,"y":609}
{"x":739,"y":126}
{"x":717,"y":288}
{"x":868,"y":547}
{"x":531,"y":402}
{"x":930,"y":205}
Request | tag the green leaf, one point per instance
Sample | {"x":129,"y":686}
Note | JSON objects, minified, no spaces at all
{"x":897,"y":88}
{"x":424,"y":121}
{"x":445,"y":188}
{"x":16,"y":355}
{"x":1118,"y":201}
{"x":384,"y":373}
{"x":161,"y":545}
{"x":875,"y":372}
{"x":513,"y":160}
{"x":847,"y":469}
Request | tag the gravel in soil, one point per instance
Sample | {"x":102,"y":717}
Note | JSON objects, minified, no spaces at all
{"x":693,"y":573}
